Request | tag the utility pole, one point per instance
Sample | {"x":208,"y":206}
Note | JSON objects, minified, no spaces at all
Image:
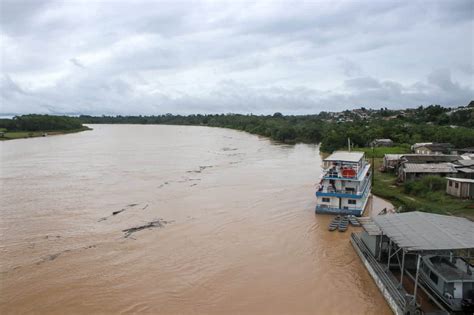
{"x":373,"y":165}
{"x":349,"y":144}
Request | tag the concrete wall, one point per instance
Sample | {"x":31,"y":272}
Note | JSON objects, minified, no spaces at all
{"x":464,"y":190}
{"x":452,"y":190}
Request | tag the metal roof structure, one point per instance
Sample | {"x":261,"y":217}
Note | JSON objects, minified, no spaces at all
{"x":466,"y":170}
{"x":369,"y":226}
{"x":383,"y":140}
{"x":461,"y":180}
{"x":420,"y":231}
{"x":392,"y":157}
{"x":429,"y":168}
{"x":429,"y":158}
{"x":345,"y":156}
{"x":467,"y":156}
{"x":437,"y":146}
{"x":465,"y":162}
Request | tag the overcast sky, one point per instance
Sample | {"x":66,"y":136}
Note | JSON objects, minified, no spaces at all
{"x":154,"y":57}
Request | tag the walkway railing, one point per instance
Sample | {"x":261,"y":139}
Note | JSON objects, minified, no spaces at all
{"x":391,"y":286}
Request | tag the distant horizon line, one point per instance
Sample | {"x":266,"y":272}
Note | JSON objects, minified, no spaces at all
{"x":11,"y":115}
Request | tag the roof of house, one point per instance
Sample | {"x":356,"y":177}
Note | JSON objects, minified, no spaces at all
{"x":468,"y":150}
{"x":383,"y":140}
{"x":345,"y":156}
{"x":437,"y":146}
{"x":426,"y":231}
{"x":466,"y":170}
{"x":465,"y":162}
{"x":424,"y":158}
{"x":429,"y":168}
{"x":420,"y":144}
{"x":461,"y":180}
{"x":467,"y":156}
{"x":392,"y":157}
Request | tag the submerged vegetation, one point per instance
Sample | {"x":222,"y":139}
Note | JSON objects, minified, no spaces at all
{"x":423,"y":124}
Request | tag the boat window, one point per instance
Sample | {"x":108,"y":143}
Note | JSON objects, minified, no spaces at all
{"x":352,"y":201}
{"x":434,"y":277}
{"x":326,"y":200}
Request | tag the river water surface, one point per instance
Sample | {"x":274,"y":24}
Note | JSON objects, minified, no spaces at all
{"x":234,"y":229}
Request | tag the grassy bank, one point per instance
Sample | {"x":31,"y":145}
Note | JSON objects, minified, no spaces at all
{"x":11,"y":135}
{"x":385,"y":186}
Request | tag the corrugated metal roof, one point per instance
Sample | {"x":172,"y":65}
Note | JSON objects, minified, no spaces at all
{"x":465,"y":162}
{"x":429,"y":168}
{"x":467,"y":156}
{"x":424,"y":158}
{"x":426,"y":231}
{"x":369,"y":226}
{"x":461,"y":180}
{"x":345,"y":156}
{"x":466,"y":170}
{"x":392,"y":157}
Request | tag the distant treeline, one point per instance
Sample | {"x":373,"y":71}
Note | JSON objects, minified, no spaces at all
{"x":431,"y":124}
{"x":41,"y":123}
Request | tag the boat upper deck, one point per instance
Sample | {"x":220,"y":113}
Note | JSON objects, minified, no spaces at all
{"x":449,"y":271}
{"x":346,"y":166}
{"x":345,"y":156}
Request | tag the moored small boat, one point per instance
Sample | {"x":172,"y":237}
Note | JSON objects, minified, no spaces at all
{"x":334,"y":223}
{"x":353,"y":220}
{"x":343,"y":224}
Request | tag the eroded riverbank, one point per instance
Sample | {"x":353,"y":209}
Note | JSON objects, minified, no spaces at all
{"x":226,"y":225}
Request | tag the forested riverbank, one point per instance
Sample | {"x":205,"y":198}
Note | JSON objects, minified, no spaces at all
{"x":424,"y":124}
{"x":28,"y":126}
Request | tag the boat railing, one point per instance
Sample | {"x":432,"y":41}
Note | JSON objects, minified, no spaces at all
{"x":323,"y":206}
{"x":390,"y":283}
{"x":340,"y":191}
{"x":332,"y":190}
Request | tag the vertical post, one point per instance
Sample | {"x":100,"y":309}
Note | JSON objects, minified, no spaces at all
{"x":349,"y":144}
{"x":380,"y":246}
{"x":403,"y":268}
{"x":389,"y":252}
{"x":416,"y":277}
{"x":373,"y":165}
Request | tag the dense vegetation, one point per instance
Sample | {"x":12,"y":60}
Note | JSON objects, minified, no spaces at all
{"x":425,"y":186}
{"x":40,"y":123}
{"x":424,"y":124}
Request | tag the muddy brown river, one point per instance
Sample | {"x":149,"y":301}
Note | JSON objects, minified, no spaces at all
{"x":224,"y":225}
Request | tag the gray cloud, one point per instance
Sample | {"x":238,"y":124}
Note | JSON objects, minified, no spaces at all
{"x":128,"y":57}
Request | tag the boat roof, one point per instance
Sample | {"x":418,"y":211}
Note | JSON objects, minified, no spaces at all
{"x":449,"y":271}
{"x":416,"y":230}
{"x":345,"y":156}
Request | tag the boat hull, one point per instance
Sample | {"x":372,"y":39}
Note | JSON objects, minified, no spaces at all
{"x":326,"y":210}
